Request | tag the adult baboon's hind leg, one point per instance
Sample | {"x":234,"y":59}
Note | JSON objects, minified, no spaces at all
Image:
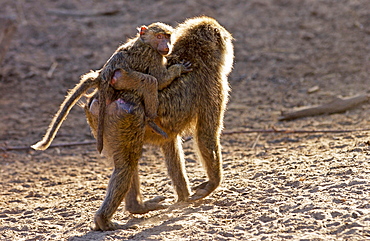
{"x":123,"y":135}
{"x":116,"y":191}
{"x":134,"y":199}
{"x":174,"y":156}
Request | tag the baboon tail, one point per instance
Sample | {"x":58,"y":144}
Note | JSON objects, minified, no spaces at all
{"x":89,"y":80}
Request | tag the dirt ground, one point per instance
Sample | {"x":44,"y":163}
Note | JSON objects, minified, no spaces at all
{"x":308,"y":186}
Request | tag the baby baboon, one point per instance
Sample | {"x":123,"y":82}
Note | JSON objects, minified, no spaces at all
{"x":193,"y":103}
{"x":138,"y":65}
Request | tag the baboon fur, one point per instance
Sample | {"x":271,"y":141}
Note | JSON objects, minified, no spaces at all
{"x":143,"y":69}
{"x":193,"y":103}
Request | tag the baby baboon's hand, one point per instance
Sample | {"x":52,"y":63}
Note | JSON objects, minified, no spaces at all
{"x":186,"y":67}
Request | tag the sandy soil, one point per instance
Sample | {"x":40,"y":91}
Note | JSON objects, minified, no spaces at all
{"x":312,"y":186}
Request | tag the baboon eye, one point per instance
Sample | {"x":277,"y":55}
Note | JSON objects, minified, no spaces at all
{"x":159,"y":36}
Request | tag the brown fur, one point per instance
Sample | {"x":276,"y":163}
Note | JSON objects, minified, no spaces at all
{"x":193,"y":103}
{"x":142,"y":67}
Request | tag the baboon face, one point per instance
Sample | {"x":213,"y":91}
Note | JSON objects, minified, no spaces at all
{"x":163,"y":43}
{"x":159,"y":41}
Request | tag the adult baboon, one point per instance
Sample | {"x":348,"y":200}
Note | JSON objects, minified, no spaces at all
{"x":193,"y":103}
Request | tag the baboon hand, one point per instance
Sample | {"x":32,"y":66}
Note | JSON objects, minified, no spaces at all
{"x":203,"y":190}
{"x":185,"y":67}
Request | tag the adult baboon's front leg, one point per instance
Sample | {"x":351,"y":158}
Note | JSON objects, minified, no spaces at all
{"x":175,"y":162}
{"x":207,"y":138}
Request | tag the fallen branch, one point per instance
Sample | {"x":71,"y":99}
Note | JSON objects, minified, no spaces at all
{"x":86,"y":13}
{"x":273,"y":130}
{"x":336,"y":106}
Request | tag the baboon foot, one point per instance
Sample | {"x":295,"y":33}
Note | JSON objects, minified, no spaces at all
{"x":147,"y":206}
{"x":183,"y":199}
{"x":102,"y":224}
{"x":203,"y":190}
{"x":123,"y":107}
{"x":117,"y":107}
{"x":157,"y":129}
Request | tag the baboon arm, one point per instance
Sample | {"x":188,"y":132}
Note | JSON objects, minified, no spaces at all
{"x":170,"y":74}
{"x":132,"y":79}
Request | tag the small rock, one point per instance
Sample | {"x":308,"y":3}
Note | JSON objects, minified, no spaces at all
{"x":335,"y":214}
{"x":318,"y":215}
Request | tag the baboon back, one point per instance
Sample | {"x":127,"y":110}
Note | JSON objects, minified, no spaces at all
{"x":207,"y":45}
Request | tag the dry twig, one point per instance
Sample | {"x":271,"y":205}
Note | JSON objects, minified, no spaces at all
{"x":272,"y":130}
{"x":86,"y":13}
{"x":336,"y":106}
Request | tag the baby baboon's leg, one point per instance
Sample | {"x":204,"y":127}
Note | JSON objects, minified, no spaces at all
{"x":175,"y":162}
{"x":207,"y":139}
{"x":146,"y":84}
{"x":134,"y":200}
{"x":149,"y":89}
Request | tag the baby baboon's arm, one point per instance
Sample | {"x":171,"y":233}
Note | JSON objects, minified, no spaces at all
{"x":173,"y":72}
{"x":132,"y":80}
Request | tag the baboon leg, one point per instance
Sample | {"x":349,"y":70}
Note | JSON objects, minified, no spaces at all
{"x":134,"y":200}
{"x":149,"y":90}
{"x":146,"y":84}
{"x":117,"y":189}
{"x":125,"y":157}
{"x":209,"y":150}
{"x":175,"y":162}
{"x":116,"y":108}
{"x":124,"y":147}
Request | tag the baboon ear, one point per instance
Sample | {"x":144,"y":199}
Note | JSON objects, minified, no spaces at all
{"x":143,"y":29}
